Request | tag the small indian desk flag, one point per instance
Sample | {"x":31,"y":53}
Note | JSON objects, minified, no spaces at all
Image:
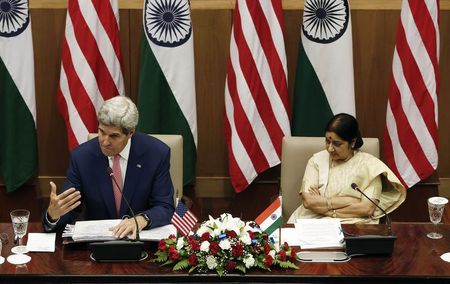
{"x":270,"y":219}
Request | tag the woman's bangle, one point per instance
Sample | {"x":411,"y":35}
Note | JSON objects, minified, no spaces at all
{"x":329,"y":205}
{"x":334,"y":213}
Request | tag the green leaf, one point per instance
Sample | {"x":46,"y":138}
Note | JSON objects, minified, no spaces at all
{"x":182,"y":264}
{"x":241,"y":268}
{"x":192,"y":268}
{"x":261,"y":265}
{"x":287,"y":264}
{"x":220,"y":271}
{"x":161,"y":256}
{"x":169,"y":262}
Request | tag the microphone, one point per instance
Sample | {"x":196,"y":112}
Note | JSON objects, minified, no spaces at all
{"x":388,"y":220}
{"x":119,"y":250}
{"x":371,"y":244}
{"x":111,"y":174}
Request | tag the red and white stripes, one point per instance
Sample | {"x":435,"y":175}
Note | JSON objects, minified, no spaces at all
{"x":256,"y":98}
{"x":90,"y":65}
{"x":411,"y":135}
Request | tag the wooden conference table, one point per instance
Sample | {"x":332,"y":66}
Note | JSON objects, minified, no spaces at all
{"x":415,"y":259}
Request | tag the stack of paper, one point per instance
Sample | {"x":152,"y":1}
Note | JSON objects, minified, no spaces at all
{"x":319,"y":233}
{"x":100,"y":230}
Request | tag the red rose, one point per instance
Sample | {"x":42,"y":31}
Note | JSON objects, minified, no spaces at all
{"x":231,"y":234}
{"x":205,"y":236}
{"x":286,"y":246}
{"x":162,"y":245}
{"x":293,"y":253}
{"x":195,"y":246}
{"x":174,"y":255}
{"x":266,"y":248}
{"x":237,"y":249}
{"x":172,"y":248}
{"x":172,"y":237}
{"x":282,"y":254}
{"x":268,"y":260}
{"x":214,"y":248}
{"x":192,"y":259}
{"x":231,"y":265}
{"x":252,"y":235}
{"x":257,"y":249}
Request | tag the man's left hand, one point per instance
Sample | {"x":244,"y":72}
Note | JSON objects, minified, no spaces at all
{"x":127,"y":227}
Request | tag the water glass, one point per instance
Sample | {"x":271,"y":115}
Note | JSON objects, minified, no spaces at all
{"x":19,"y":219}
{"x":436,"y":210}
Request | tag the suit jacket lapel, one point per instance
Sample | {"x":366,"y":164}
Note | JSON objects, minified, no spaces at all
{"x":132,"y":175}
{"x":105,"y":184}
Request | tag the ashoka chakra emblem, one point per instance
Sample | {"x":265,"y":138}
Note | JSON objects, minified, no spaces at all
{"x":325,"y":21}
{"x":167,"y":22}
{"x":14,"y":17}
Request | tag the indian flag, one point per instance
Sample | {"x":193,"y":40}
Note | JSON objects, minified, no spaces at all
{"x":166,"y":99}
{"x":18,"y":146}
{"x":324,"y":79}
{"x":270,"y":219}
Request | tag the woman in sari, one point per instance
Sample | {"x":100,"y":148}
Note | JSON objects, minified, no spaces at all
{"x":326,"y":190}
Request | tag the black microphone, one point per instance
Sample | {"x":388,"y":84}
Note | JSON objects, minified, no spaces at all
{"x":119,"y":250}
{"x":111,"y":174}
{"x":370,"y":244}
{"x":388,"y":220}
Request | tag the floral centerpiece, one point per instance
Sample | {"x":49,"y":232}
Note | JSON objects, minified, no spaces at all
{"x":224,"y":245}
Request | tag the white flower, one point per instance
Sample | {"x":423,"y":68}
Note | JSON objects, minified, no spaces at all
{"x":245,"y":239}
{"x":204,"y":246}
{"x":217,"y":232}
{"x":249,"y":261}
{"x":204,"y":229}
{"x":180,"y":243}
{"x":272,"y":253}
{"x":277,"y":246}
{"x":225,"y":244}
{"x":248,"y":227}
{"x":211,"y":262}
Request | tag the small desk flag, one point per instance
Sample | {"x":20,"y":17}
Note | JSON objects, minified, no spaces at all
{"x":183,"y":219}
{"x":270,"y":219}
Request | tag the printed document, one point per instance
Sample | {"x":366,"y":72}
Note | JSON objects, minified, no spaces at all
{"x":100,"y":230}
{"x":319,"y":233}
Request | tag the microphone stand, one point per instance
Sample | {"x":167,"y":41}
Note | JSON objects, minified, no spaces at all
{"x":111,"y":174}
{"x":119,"y":250}
{"x":388,"y":219}
{"x":371,"y":244}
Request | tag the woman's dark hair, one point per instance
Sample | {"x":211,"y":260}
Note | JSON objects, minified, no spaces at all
{"x":346,"y":127}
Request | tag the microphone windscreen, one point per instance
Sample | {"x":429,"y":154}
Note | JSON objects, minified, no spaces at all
{"x":354,"y":186}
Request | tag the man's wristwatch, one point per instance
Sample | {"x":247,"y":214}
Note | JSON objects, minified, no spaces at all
{"x":147,"y":219}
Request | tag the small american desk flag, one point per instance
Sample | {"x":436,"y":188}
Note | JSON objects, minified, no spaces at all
{"x":183,"y":219}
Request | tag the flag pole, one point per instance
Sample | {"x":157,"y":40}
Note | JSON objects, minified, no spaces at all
{"x":282,"y":219}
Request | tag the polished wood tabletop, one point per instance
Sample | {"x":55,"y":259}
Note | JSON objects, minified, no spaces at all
{"x":416,"y":258}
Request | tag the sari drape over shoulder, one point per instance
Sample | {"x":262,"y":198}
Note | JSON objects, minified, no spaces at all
{"x":372,"y":176}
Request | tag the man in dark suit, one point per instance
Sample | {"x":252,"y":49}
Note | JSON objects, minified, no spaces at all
{"x":139,"y":164}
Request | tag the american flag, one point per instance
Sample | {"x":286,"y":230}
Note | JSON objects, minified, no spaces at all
{"x":256,"y":97}
{"x":90,"y":65}
{"x":183,"y":219}
{"x":411,"y":135}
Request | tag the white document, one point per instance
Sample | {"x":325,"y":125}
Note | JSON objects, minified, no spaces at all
{"x":96,"y":230}
{"x":41,"y":242}
{"x":289,"y":235}
{"x":319,"y":233}
{"x":100,"y":230}
{"x":159,"y":233}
